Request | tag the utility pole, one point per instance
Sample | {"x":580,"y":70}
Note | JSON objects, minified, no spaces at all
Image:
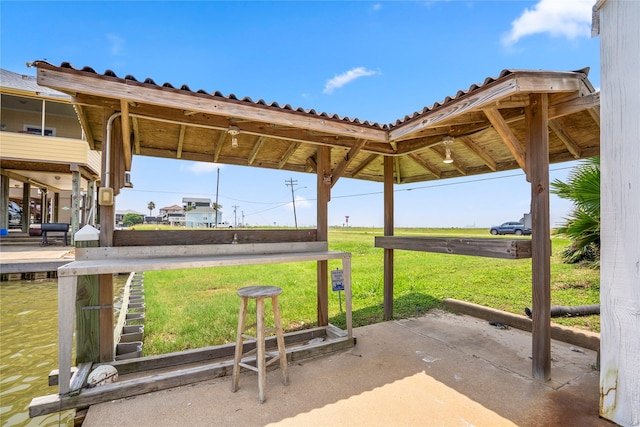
{"x":292,"y":183}
{"x":235,"y":217}
{"x":215,"y":207}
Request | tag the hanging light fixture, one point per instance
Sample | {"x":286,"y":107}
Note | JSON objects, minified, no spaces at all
{"x":234,"y":131}
{"x":447,"y":141}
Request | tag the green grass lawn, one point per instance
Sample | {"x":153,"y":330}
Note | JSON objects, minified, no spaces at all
{"x":197,"y":308}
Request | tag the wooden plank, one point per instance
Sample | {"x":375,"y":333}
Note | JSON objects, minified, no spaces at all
{"x":491,"y":248}
{"x":87,"y":317}
{"x":538,"y":153}
{"x":218,"y":148}
{"x":579,"y":337}
{"x":123,"y":389}
{"x":485,"y":156}
{"x":211,"y":236}
{"x":426,"y":165}
{"x":363,"y":165}
{"x":125,"y":265}
{"x":510,"y":140}
{"x":66,"y":307}
{"x":177,"y":251}
{"x":136,"y":134}
{"x":79,"y":377}
{"x":388,"y":232}
{"x":105,"y":313}
{"x":287,"y":155}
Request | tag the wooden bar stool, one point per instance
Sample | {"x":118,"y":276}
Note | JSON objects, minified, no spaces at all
{"x":259,"y":293}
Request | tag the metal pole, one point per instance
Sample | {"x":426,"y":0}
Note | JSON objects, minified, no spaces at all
{"x":215,"y":208}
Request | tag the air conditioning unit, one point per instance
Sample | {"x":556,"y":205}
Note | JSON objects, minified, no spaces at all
{"x":127,"y":180}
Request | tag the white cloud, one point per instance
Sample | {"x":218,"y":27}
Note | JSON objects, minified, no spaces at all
{"x":566,"y":18}
{"x":203,"y":167}
{"x":346,"y":77}
{"x":116,"y":43}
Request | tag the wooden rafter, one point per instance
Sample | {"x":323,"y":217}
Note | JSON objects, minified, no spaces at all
{"x":364,"y":164}
{"x":486,"y":157}
{"x":136,"y":134}
{"x":82,"y":116}
{"x":575,"y":105}
{"x":311,"y":165}
{"x":287,"y":155}
{"x":566,"y":139}
{"x":507,"y":136}
{"x":346,"y":161}
{"x":396,"y":169}
{"x":595,"y":114}
{"x":183,"y":129}
{"x":256,"y":148}
{"x":425,"y":164}
{"x":216,"y":152}
{"x":126,"y":134}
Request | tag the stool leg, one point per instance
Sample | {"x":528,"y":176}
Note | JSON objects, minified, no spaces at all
{"x":280,"y":339}
{"x":239,"y":343}
{"x":262,"y":371}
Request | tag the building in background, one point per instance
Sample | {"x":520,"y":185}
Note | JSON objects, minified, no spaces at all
{"x":46,"y":166}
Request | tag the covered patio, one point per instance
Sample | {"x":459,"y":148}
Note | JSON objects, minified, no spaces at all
{"x":519,"y":119}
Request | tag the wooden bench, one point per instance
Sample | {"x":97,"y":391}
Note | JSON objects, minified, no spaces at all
{"x":111,"y":260}
{"x":53,"y":227}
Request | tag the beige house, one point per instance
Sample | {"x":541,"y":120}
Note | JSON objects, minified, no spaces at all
{"x":46,"y":165}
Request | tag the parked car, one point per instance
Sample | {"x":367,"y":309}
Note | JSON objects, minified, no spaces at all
{"x":511,"y":227}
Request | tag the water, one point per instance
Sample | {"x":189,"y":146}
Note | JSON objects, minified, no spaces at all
{"x":29,"y":349}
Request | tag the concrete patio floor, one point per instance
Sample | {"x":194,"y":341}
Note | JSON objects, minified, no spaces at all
{"x":441,"y":369}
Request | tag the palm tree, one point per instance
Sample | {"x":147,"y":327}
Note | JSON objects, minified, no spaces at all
{"x":151,"y":206}
{"x":583,"y":224}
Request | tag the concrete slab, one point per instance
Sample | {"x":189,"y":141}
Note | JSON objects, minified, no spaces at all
{"x":441,"y":369}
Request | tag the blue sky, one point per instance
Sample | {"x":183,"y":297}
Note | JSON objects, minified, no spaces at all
{"x":376,"y":61}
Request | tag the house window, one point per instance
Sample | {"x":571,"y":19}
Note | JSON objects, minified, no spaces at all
{"x":37,"y":130}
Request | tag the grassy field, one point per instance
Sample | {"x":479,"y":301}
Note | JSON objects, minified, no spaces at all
{"x":197,"y":308}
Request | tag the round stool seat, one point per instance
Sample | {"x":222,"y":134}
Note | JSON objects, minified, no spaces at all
{"x":259,"y":291}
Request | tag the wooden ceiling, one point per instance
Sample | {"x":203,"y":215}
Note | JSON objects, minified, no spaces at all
{"x":487,"y":122}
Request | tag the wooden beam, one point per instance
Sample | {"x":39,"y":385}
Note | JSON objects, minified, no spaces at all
{"x":428,"y":166}
{"x":364,"y":164}
{"x":324,"y":196}
{"x":538,"y":150}
{"x":287,"y":155}
{"x":218,"y":147}
{"x":92,"y":84}
{"x":254,"y":151}
{"x":388,"y":231}
{"x":86,"y":128}
{"x":136,"y":134}
{"x":346,"y":160}
{"x":311,"y":165}
{"x":480,"y":152}
{"x":575,"y":105}
{"x":510,"y":140}
{"x":183,"y":130}
{"x":126,"y":134}
{"x":566,"y":139}
{"x":490,"y":248}
{"x":595,"y":114}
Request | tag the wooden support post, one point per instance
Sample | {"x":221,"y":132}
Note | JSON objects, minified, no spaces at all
{"x":26,"y":206}
{"x":324,"y":195}
{"x":75,"y":203}
{"x":66,"y":298}
{"x":87,"y":303}
{"x":55,"y":207}
{"x":4,"y":202}
{"x":536,"y":116}
{"x":388,"y":231}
